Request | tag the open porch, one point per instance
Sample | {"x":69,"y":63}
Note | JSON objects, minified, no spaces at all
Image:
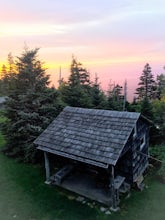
{"x":85,"y":185}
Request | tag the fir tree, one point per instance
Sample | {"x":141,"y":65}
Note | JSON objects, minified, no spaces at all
{"x":76,"y":92}
{"x":147,"y":86}
{"x":115,"y":97}
{"x":99,"y":99}
{"x":160,"y":86}
{"x":2,"y":83}
{"x":146,"y":108}
{"x":30,"y":107}
{"x":8,"y":74}
{"x":79,"y":75}
{"x":10,"y":63}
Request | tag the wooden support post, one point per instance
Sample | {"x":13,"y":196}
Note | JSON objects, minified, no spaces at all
{"x":47,"y":168}
{"x":113,"y":192}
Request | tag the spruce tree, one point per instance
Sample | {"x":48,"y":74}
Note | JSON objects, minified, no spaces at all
{"x":76,"y":92}
{"x":115,"y":97}
{"x":30,"y":107}
{"x":99,"y":99}
{"x":160,"y":86}
{"x":147,"y":86}
{"x":146,"y":108}
{"x":8,"y":73}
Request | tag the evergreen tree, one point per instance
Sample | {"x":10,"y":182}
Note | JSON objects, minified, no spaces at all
{"x":161,"y":86}
{"x":30,"y":107}
{"x":11,"y":63}
{"x":2,"y":85}
{"x":79,"y":75}
{"x":3,"y":71}
{"x":147,"y":86}
{"x":146,"y":108}
{"x":8,"y":74}
{"x":76,"y":92}
{"x":99,"y":99}
{"x":115,"y":97}
{"x":159,"y":118}
{"x":135,"y":106}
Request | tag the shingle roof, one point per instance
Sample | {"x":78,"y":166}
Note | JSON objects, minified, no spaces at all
{"x":89,"y":135}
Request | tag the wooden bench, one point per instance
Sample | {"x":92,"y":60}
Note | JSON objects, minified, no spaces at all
{"x":61,"y":174}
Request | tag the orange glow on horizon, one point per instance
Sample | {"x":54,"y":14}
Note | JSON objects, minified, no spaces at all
{"x":52,"y":65}
{"x":102,"y":62}
{"x":94,"y":62}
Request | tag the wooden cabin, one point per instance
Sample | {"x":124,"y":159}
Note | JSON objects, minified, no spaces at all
{"x":106,"y":152}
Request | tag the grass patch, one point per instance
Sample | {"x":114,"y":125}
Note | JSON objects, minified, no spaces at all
{"x":24,"y":196}
{"x":2,"y":141}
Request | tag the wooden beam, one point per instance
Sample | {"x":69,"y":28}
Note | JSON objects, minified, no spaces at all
{"x":73,"y":157}
{"x":113,"y":191}
{"x":47,"y":168}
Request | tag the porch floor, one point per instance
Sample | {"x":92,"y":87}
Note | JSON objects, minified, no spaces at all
{"x":85,"y":184}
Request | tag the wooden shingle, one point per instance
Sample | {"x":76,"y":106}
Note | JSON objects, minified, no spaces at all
{"x":92,"y":136}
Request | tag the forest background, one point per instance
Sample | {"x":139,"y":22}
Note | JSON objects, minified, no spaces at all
{"x":31,"y":103}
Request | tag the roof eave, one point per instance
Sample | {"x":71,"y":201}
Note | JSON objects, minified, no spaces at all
{"x":74,"y":157}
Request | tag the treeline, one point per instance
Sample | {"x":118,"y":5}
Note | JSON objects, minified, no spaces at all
{"x":32,"y":104}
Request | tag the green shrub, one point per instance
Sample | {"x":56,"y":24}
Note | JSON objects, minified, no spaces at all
{"x":158,"y":152}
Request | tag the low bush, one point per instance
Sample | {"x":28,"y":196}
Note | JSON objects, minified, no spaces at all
{"x":158,"y":152}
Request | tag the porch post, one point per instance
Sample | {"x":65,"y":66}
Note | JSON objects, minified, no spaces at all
{"x":47,"y":168}
{"x":113,"y":191}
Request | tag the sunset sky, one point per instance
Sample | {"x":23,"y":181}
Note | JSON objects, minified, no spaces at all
{"x":113,"y":38}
